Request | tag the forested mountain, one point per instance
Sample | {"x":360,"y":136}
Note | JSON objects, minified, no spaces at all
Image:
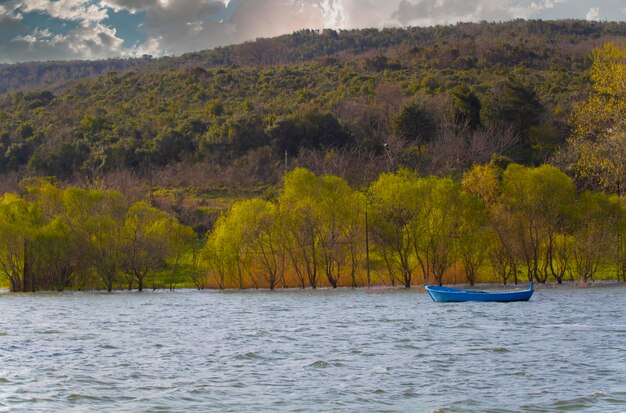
{"x":441,"y":134}
{"x":58,"y":73}
{"x":535,"y":44}
{"x":353,"y":103}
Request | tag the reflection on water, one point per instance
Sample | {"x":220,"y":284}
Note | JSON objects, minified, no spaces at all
{"x":312,"y":351}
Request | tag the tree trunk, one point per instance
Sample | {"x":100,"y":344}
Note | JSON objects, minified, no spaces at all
{"x":27,"y":282}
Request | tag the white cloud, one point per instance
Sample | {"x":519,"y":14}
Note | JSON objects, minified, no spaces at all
{"x":178,"y":26}
{"x":88,"y":41}
{"x":431,"y":12}
{"x":34,"y":37}
{"x":149,"y":47}
{"x":29,"y":38}
{"x":77,"y":10}
{"x":8,"y":16}
{"x":593,"y":13}
{"x":334,"y":13}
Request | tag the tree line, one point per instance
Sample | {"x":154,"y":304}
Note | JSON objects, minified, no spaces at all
{"x":53,"y":238}
{"x":511,"y":224}
{"x":463,"y":45}
{"x":508,"y":223}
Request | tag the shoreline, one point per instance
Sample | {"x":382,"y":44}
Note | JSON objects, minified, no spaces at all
{"x":374,"y":289}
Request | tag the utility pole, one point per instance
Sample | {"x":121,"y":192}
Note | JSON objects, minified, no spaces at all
{"x":367,"y":245}
{"x":285,"y":163}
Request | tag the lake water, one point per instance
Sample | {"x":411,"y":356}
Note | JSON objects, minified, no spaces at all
{"x":353,"y":351}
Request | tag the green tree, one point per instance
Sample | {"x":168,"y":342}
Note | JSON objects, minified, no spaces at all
{"x":342,"y":210}
{"x":218,"y":255}
{"x":535,"y":201}
{"x":227,"y":247}
{"x":512,"y":102}
{"x":311,"y":129}
{"x":184,"y":251}
{"x":596,"y":152}
{"x":599,"y":226}
{"x":393,"y":213}
{"x":54,"y":256}
{"x":415,"y":124}
{"x":145,"y":237}
{"x":262,"y":232}
{"x":303,"y":224}
{"x":474,"y":235}
{"x":437,"y":225}
{"x":96,"y":219}
{"x":19,"y":223}
{"x":466,"y":106}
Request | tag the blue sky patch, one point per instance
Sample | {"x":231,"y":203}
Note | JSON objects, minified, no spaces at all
{"x":128,"y":26}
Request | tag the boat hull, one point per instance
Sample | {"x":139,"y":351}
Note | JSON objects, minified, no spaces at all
{"x":453,"y":295}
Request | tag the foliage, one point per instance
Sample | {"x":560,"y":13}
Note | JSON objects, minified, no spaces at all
{"x":304,"y":93}
{"x":426,"y":121}
{"x":528,"y":218}
{"x":313,"y":233}
{"x":596,"y":152}
{"x":56,"y":238}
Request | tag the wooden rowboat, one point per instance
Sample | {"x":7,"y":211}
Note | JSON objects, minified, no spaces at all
{"x":446,"y":294}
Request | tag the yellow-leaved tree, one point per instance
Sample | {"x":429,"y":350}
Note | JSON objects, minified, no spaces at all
{"x":596,"y":153}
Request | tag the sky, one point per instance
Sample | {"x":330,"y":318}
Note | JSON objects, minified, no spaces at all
{"x":39,"y":30}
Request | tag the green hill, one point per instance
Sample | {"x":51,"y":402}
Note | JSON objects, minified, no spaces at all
{"x":352,"y":103}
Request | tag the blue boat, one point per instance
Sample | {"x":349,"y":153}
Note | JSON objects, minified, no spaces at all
{"x":446,"y":294}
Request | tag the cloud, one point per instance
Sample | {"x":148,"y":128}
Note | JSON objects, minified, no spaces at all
{"x":593,"y":14}
{"x":77,"y":10}
{"x":178,"y":26}
{"x":87,"y":41}
{"x":367,"y":13}
{"x":431,"y":12}
{"x":86,"y":38}
{"x":8,"y":18}
{"x":81,"y":29}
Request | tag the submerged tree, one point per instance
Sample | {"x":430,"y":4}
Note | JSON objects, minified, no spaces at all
{"x":96,"y":218}
{"x":475,"y":236}
{"x":536,"y":200}
{"x":19,"y":222}
{"x":599,"y":226}
{"x":145,"y":235}
{"x":393,"y":213}
{"x":303,"y":224}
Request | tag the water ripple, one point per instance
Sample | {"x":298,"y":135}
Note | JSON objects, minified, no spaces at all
{"x":303,"y":351}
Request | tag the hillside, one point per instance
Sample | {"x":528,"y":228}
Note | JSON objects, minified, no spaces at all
{"x":530,"y":43}
{"x":56,"y":74}
{"x":468,"y":146}
{"x":352,"y":103}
